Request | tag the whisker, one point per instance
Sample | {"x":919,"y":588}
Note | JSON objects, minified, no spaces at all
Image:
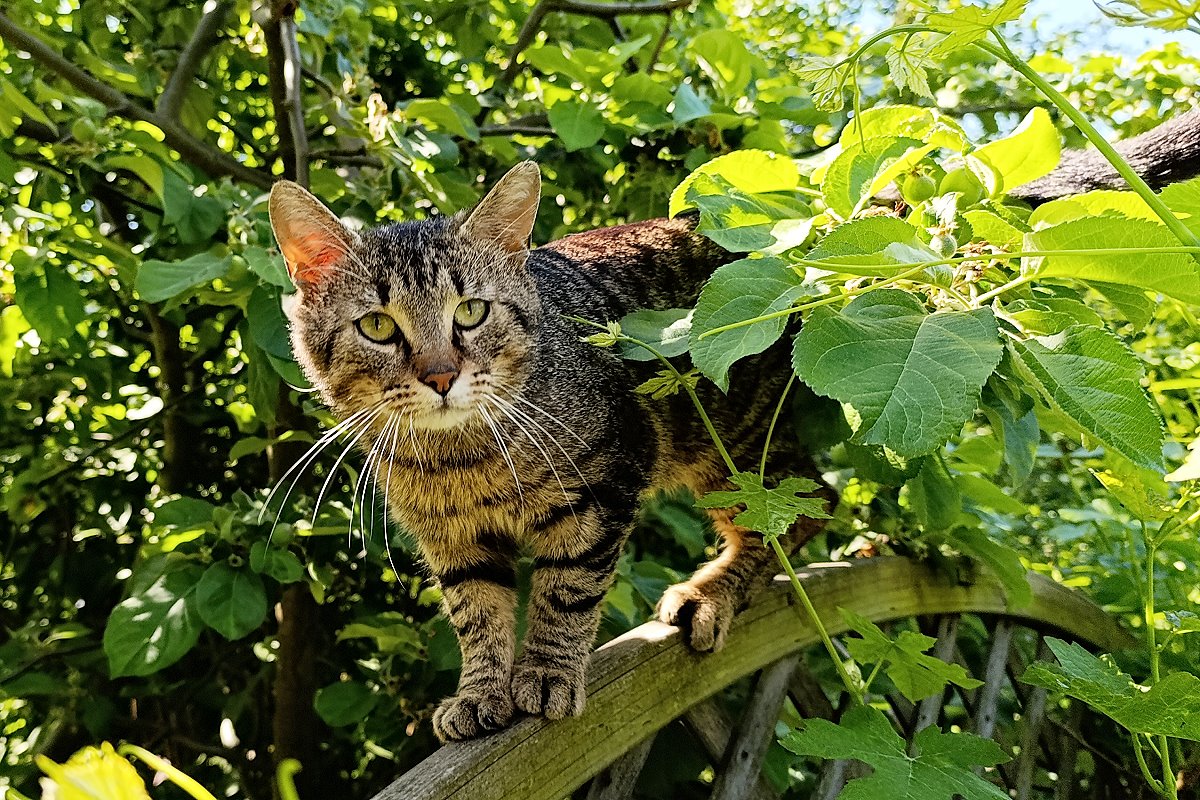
{"x":387,"y":497}
{"x":539,"y":446}
{"x":503,"y":451}
{"x":551,"y":437}
{"x":354,"y":440}
{"x":553,"y":418}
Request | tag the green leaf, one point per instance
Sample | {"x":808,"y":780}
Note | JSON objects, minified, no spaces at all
{"x":441,"y":114}
{"x":666,"y":331}
{"x":1098,"y":203}
{"x":1092,"y":378}
{"x":968,"y":24}
{"x":577,"y":123}
{"x":991,"y":227}
{"x":1002,"y":560}
{"x":875,"y":246}
{"x":277,"y":562}
{"x":751,"y":171}
{"x":771,"y":512}
{"x":49,"y":299}
{"x":12,"y":325}
{"x":828,"y":75}
{"x":345,"y":703}
{"x":158,"y":623}
{"x":941,"y":767}
{"x":739,"y":291}
{"x":195,"y":217}
{"x":1133,"y":303}
{"x":268,"y":325}
{"x":1031,"y":151}
{"x":934,"y":496}
{"x":1184,"y":198}
{"x":161,"y":280}
{"x":270,"y":267}
{"x":915,"y":674}
{"x":724,"y":58}
{"x":865,"y":167}
{"x":741,"y":222}
{"x":913,"y":378}
{"x":392,"y":632}
{"x":232,"y":601}
{"x":666,"y":383}
{"x":1173,"y":274}
{"x":688,"y":106}
{"x":910,"y":122}
{"x":909,"y":65}
{"x":1170,"y":707}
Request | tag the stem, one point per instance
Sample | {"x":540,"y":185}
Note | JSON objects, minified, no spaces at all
{"x":762,"y":465}
{"x":999,"y":290}
{"x":188,"y":784}
{"x":855,"y":690}
{"x":1004,"y":53}
{"x":1146,"y":773}
{"x":871,"y":677}
{"x":1164,"y":744}
{"x":285,"y":779}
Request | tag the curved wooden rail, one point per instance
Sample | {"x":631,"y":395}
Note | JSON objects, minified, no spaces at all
{"x":646,"y":678}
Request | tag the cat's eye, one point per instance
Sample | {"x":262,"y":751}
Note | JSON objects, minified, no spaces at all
{"x":378,"y":327}
{"x":470,"y":313}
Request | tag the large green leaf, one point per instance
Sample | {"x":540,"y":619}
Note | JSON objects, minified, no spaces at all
{"x":1170,"y":707}
{"x":864,"y":167}
{"x":1095,"y":381}
{"x":345,"y":703}
{"x":736,"y":292}
{"x":741,"y":222}
{"x":666,"y":331}
{"x":751,"y":171}
{"x":579,"y":124}
{"x":231,"y":600}
{"x":941,"y":767}
{"x":876,"y":246}
{"x":159,"y":622}
{"x":912,"y":378}
{"x":49,"y":298}
{"x":725,"y":59}
{"x":1030,"y":152}
{"x":161,"y":280}
{"x":1173,"y":274}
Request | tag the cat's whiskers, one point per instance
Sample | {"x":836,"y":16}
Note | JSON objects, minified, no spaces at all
{"x":536,"y":443}
{"x":355,"y":438}
{"x":387,"y":496}
{"x":525,"y":417}
{"x":305,"y":461}
{"x":504,"y":453}
{"x":553,"y":418}
{"x":368,"y":470}
{"x":412,"y":440}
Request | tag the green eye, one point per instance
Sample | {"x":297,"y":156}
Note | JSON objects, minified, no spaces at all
{"x":470,"y":313}
{"x":378,"y":327}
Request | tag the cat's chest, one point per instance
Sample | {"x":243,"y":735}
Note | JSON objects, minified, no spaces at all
{"x":465,"y":498}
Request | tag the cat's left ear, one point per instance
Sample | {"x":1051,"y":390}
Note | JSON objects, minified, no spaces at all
{"x":505,"y":217}
{"x":311,"y":237}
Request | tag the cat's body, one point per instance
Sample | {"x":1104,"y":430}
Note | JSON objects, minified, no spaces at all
{"x":494,"y":430}
{"x":560,"y":448}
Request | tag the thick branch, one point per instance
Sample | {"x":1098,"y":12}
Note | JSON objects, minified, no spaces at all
{"x":171,"y":100}
{"x":211,"y":160}
{"x":284,"y":74}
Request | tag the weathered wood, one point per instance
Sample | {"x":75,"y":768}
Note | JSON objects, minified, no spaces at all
{"x":993,"y":679}
{"x":1035,"y":712}
{"x":755,"y":731}
{"x":616,"y":781}
{"x":1068,"y":757}
{"x":713,"y":730}
{"x":639,"y":682}
{"x":808,"y":696}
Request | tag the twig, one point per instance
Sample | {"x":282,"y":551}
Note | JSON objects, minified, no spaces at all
{"x":515,"y":129}
{"x":284,"y":73}
{"x":211,"y":160}
{"x":658,"y":46}
{"x":170,"y":102}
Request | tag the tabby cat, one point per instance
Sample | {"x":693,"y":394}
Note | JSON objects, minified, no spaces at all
{"x":446,"y":343}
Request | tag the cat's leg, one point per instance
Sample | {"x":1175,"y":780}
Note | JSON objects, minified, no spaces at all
{"x":575,"y":556}
{"x":704,"y":605}
{"x":479,"y":595}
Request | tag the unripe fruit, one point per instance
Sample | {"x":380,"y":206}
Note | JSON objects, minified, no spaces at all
{"x":918,"y":189}
{"x":944,"y":245}
{"x":963,"y":181}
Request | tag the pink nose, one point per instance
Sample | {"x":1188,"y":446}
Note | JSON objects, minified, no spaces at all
{"x":440,"y":382}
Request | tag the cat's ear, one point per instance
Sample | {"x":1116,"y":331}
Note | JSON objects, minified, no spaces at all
{"x":311,"y":237}
{"x":505,"y":217}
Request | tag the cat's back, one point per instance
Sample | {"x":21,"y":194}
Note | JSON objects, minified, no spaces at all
{"x":606,"y":273}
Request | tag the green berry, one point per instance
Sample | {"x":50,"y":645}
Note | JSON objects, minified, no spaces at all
{"x":963,"y":181}
{"x":83,"y":130}
{"x":944,"y":245}
{"x":918,"y":189}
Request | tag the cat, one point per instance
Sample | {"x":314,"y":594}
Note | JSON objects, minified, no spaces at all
{"x":495,"y":429}
{"x":446,"y":341}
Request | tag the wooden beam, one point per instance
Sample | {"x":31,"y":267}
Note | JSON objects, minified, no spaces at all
{"x":641,"y":681}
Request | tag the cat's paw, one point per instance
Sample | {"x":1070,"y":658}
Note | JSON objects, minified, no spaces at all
{"x":703,"y":613}
{"x":472,"y":713}
{"x":552,"y":693}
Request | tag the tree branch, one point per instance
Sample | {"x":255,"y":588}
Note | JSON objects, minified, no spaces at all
{"x":211,"y":160}
{"x":284,"y":73}
{"x":170,"y":102}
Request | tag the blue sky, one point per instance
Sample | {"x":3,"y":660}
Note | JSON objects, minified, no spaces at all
{"x":1103,"y":33}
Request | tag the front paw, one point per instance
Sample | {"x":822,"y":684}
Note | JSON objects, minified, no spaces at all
{"x":552,"y":693}
{"x":703,"y":612}
{"x":472,"y":713}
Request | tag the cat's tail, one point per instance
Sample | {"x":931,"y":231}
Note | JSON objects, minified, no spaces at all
{"x":1164,"y":155}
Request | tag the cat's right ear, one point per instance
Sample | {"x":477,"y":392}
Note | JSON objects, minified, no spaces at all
{"x":310,"y":236}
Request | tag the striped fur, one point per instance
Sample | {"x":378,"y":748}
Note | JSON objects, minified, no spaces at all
{"x":546,"y":449}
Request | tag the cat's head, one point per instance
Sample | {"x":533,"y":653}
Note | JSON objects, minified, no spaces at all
{"x":421,"y":318}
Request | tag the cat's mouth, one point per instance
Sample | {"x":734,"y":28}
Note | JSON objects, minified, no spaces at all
{"x":445,"y":418}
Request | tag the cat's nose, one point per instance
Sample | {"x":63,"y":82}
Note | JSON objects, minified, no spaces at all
{"x":440,"y":379}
